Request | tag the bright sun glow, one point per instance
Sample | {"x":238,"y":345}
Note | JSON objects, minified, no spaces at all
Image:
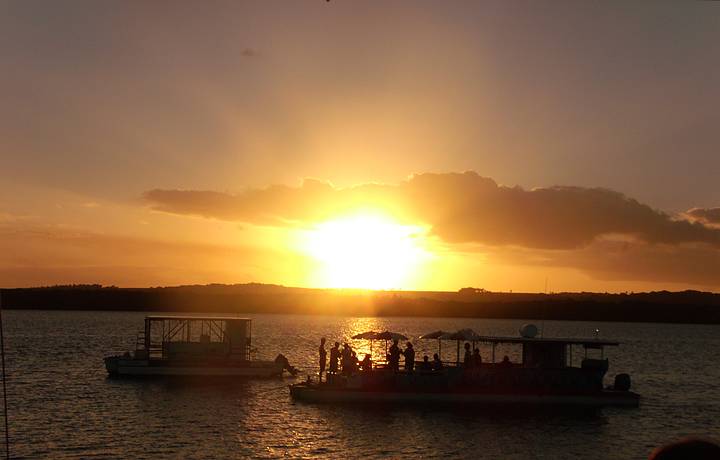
{"x":366,"y":251}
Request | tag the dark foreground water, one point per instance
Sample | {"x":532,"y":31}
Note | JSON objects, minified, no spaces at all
{"x":63,"y":406}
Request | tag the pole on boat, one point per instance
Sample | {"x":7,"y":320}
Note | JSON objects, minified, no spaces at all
{"x":4,"y":384}
{"x":458,"y":353}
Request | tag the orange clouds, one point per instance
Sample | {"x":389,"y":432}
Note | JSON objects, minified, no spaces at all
{"x":599,"y":232}
{"x":461,"y":208}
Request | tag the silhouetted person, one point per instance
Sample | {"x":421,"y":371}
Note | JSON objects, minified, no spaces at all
{"x":322,"y":355}
{"x":334,"y":358}
{"x":506,"y":361}
{"x":425,"y":366}
{"x":690,"y":449}
{"x":409,"y":357}
{"x":366,"y":363}
{"x":394,"y":360}
{"x":477,"y":359}
{"x":437,"y":363}
{"x":346,"y":358}
{"x":353,"y":361}
{"x":467,"y":362}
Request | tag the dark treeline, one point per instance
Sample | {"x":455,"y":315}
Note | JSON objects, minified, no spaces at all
{"x":662,"y":306}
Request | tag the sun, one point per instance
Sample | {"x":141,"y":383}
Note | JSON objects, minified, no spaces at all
{"x":368,"y":251}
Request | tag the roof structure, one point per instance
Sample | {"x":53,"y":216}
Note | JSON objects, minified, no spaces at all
{"x":567,"y":341}
{"x":194,"y":318}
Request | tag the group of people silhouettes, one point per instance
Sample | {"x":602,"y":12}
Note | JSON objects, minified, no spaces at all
{"x":345,"y":361}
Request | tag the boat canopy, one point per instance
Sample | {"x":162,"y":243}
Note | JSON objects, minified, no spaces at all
{"x":175,"y":336}
{"x":194,"y":318}
{"x":588,"y":343}
{"x":469,"y":335}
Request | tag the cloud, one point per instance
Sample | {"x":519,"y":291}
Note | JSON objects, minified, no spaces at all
{"x":704,"y":215}
{"x":615,"y":260}
{"x":274,"y":205}
{"x":460,"y":208}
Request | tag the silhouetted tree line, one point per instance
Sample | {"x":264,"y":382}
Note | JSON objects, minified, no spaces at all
{"x":661,"y":306}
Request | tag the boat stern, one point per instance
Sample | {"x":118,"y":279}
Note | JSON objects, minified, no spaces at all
{"x":112,"y":364}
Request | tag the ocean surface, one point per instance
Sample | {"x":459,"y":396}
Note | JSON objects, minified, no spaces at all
{"x":62,"y":405}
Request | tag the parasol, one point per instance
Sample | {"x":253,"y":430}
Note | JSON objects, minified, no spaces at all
{"x":387,"y":336}
{"x":439,"y":335}
{"x":369,"y":335}
{"x":467,"y":335}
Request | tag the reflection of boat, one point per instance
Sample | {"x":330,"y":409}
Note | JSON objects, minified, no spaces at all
{"x":193,"y":345}
{"x":545,"y":375}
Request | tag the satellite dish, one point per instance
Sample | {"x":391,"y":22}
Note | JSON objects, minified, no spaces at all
{"x":529,"y":331}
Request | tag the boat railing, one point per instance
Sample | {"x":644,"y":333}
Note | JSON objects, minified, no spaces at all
{"x":489,"y":365}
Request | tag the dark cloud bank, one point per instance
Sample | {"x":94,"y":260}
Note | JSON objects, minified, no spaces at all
{"x":570,"y":225}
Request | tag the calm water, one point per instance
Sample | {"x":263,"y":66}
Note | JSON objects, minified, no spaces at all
{"x":63,"y":406}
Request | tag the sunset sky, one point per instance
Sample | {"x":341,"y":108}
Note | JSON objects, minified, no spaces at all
{"x":409,"y":145}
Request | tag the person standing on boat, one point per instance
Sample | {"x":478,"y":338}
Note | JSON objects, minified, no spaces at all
{"x":394,"y":356}
{"x":334,"y":357}
{"x":322,"y":355}
{"x":366,"y":363}
{"x":468,"y":361}
{"x":346,"y":359}
{"x":354,"y":362}
{"x":477,"y":359}
{"x":409,"y":357}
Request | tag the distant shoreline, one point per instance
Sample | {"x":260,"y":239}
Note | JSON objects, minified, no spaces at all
{"x":685,"y":307}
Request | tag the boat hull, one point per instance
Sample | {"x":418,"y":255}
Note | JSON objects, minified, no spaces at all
{"x":313,"y":393}
{"x":119,"y":367}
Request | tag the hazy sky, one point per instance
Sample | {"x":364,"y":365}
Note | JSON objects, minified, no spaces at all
{"x":109,"y":107}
